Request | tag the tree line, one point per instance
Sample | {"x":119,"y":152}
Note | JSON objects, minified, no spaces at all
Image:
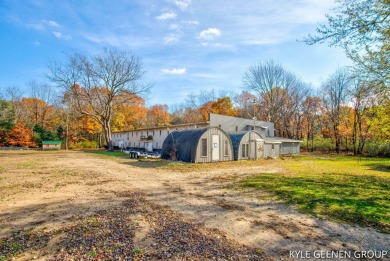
{"x":89,"y":97}
{"x":346,"y":114}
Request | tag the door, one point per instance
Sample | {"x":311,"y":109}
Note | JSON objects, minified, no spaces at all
{"x":215,"y":148}
{"x":259,"y":149}
{"x":148,"y":146}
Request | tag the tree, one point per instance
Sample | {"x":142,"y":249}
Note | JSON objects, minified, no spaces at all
{"x":130,"y":115}
{"x":21,"y":136}
{"x":158,"y":115}
{"x":362,"y":28}
{"x":279,"y":94}
{"x":335,"y":91}
{"x":98,"y":83}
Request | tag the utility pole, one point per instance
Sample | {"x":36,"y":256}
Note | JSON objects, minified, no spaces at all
{"x":254,"y":115}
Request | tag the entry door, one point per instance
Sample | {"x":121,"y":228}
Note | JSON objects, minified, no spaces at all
{"x":215,"y":148}
{"x":260,"y":149}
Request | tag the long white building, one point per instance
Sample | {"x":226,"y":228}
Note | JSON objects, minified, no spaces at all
{"x":153,"y":138}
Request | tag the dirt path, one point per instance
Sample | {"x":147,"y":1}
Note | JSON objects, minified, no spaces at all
{"x":83,"y":183}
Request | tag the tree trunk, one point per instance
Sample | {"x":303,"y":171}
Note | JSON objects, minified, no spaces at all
{"x":354,"y":132}
{"x":107,"y":136}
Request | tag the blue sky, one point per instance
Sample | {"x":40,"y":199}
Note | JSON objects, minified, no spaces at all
{"x":185,"y":45}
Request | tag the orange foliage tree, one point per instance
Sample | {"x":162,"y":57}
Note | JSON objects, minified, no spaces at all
{"x":21,"y":136}
{"x":222,"y":106}
{"x":158,"y":115}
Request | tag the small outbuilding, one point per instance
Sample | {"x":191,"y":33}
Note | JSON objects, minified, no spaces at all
{"x":287,"y":146}
{"x":51,"y":145}
{"x":198,"y":145}
{"x":247,"y":145}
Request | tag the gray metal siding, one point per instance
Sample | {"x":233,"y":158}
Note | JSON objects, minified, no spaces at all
{"x":208,"y":135}
{"x":233,"y":124}
{"x":290,"y":148}
{"x":251,"y":138}
{"x":272,"y":153}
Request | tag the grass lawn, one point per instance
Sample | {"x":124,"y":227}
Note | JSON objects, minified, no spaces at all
{"x":338,"y":188}
{"x":104,"y":153}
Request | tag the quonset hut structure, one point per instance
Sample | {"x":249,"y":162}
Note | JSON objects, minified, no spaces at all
{"x":198,"y":145}
{"x":247,"y":145}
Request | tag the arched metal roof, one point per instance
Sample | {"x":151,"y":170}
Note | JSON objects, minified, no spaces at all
{"x":236,"y":138}
{"x":184,"y":142}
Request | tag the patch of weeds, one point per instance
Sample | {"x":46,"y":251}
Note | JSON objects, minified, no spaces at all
{"x":93,"y":253}
{"x":137,"y":251}
{"x":21,"y":241}
{"x":28,"y":165}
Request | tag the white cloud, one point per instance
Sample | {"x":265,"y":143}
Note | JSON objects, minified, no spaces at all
{"x":211,"y":44}
{"x":182,"y":4}
{"x":177,"y":71}
{"x":51,"y":23}
{"x":166,"y":16}
{"x":174,"y":27}
{"x":59,"y":35}
{"x":209,"y":34}
{"x":193,"y":22}
{"x":172,"y":38}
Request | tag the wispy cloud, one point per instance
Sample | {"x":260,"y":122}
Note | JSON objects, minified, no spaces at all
{"x":209,"y":34}
{"x":51,"y":23}
{"x":177,"y":71}
{"x":182,"y":4}
{"x":172,"y":38}
{"x":60,"y":35}
{"x":166,"y":16}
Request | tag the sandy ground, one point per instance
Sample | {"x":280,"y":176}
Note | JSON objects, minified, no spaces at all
{"x":45,"y":189}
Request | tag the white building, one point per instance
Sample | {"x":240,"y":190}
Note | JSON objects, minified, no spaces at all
{"x":153,"y":138}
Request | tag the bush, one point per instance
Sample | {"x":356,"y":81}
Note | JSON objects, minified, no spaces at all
{"x":377,"y":148}
{"x":84,"y":145}
{"x":319,"y":144}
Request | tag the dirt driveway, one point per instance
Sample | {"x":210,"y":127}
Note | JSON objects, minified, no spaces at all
{"x":47,"y":190}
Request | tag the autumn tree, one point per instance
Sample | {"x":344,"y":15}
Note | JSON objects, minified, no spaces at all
{"x":21,"y":136}
{"x":158,"y":115}
{"x":96,"y":83}
{"x":130,"y":115}
{"x":311,"y":116}
{"x":222,"y":106}
{"x":246,"y":105}
{"x":335,"y":91}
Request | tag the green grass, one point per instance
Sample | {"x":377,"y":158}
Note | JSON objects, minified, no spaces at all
{"x":338,"y":188}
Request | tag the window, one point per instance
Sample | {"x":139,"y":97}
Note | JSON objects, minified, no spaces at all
{"x":153,"y":133}
{"x":236,"y":128}
{"x":226,"y":147}
{"x":147,"y":133}
{"x":245,"y":150}
{"x":268,"y":132}
{"x":204,"y":148}
{"x":273,"y":146}
{"x":156,"y":145}
{"x":160,"y":132}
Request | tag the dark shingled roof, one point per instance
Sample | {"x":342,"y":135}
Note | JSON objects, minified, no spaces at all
{"x":186,"y":142}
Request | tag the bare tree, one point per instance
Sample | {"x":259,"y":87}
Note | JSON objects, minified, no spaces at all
{"x":99,"y":82}
{"x":335,"y":91}
{"x":278,"y":94}
{"x":42,"y":92}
